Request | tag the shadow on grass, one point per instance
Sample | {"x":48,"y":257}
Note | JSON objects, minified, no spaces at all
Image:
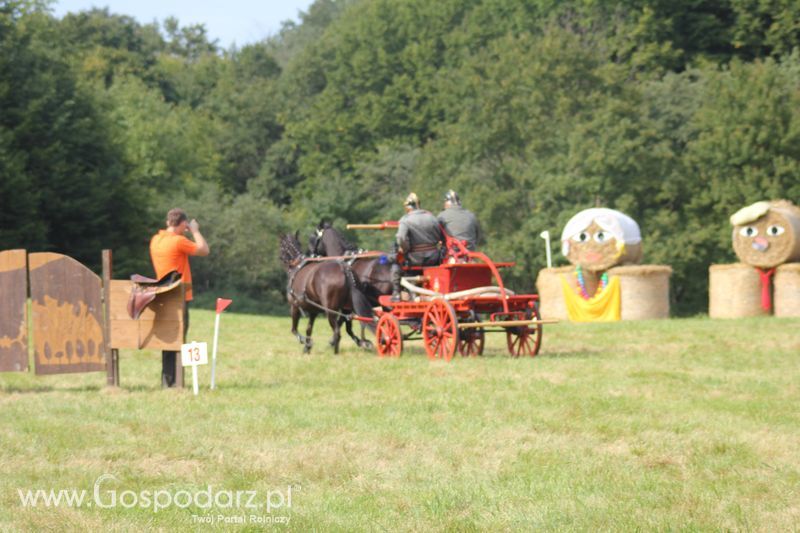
{"x":251,"y":385}
{"x":540,"y":355}
{"x":568,"y":354}
{"x":16,"y":389}
{"x":247,"y":385}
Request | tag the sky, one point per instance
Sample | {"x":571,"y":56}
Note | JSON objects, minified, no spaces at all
{"x":239,"y":21}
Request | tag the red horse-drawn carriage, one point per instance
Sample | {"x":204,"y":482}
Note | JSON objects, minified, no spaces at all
{"x":453,"y":305}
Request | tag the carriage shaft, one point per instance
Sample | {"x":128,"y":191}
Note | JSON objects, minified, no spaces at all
{"x":504,"y":323}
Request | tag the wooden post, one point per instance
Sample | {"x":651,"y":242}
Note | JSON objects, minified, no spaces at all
{"x":112,"y":354}
{"x":179,"y":373}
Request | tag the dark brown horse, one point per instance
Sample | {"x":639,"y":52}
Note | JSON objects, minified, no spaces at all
{"x":314,"y":288}
{"x":373,"y":276}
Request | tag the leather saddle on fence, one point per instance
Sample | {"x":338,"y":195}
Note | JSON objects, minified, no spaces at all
{"x":144,"y":290}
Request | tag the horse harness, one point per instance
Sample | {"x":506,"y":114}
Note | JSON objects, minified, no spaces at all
{"x":302,"y":297}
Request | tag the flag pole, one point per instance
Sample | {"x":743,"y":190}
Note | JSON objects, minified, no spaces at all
{"x":222,"y":303}
{"x":214,"y":353}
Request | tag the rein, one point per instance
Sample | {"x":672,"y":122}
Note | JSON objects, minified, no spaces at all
{"x":293,"y":272}
{"x":302,"y":297}
{"x":348,"y":257}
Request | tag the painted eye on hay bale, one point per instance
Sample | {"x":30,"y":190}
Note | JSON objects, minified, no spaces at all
{"x":602,"y":236}
{"x":748,"y":231}
{"x":774,"y":231}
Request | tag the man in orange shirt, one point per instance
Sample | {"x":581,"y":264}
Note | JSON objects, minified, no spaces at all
{"x":170,"y":250}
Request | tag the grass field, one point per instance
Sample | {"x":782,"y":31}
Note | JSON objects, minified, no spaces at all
{"x":680,"y":424}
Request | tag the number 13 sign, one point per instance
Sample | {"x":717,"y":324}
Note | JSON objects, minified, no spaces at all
{"x":194,"y":353}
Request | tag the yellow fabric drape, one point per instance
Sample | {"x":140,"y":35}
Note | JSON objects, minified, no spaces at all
{"x":604,"y":306}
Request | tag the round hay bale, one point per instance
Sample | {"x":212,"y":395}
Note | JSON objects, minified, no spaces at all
{"x":734,"y":291}
{"x":599,"y":238}
{"x":767,"y":234}
{"x":644,"y":291}
{"x":787,"y":290}
{"x":551,"y":297}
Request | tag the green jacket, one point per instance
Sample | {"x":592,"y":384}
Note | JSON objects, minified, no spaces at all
{"x":420,"y":237}
{"x":461,"y":224}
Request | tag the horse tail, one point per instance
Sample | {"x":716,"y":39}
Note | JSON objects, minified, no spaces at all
{"x":360,"y":302}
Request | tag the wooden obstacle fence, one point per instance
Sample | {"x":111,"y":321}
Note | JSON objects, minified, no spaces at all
{"x":78,"y":320}
{"x":66,"y":315}
{"x":13,"y":311}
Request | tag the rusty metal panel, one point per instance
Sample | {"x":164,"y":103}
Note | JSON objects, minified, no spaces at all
{"x":67,"y":313}
{"x":13,"y":311}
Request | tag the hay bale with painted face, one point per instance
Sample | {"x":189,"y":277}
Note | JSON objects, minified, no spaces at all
{"x":767,"y":234}
{"x":596,"y":241}
{"x":600,"y":238}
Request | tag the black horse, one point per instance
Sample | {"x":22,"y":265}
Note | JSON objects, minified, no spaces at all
{"x":373,"y":275}
{"x":326,"y":241}
{"x":314,"y":288}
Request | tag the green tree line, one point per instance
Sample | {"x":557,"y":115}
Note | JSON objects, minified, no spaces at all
{"x":677,"y":112}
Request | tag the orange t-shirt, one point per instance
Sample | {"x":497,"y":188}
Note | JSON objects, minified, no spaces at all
{"x":171,"y":252}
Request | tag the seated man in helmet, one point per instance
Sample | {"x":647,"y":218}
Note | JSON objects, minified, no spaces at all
{"x":458,"y":222}
{"x":419,"y":237}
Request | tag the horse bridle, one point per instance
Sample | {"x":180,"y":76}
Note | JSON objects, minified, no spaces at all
{"x":317,"y":240}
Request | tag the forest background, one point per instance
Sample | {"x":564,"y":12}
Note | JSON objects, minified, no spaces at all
{"x":676,"y":112}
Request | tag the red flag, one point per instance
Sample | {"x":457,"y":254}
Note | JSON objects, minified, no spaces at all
{"x":222,"y":303}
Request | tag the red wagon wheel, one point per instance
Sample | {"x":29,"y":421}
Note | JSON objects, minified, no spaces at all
{"x":470,"y":342}
{"x":389,"y":340}
{"x":440,"y":330}
{"x":524,"y":340}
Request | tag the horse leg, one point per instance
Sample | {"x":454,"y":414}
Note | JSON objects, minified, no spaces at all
{"x":333,"y":320}
{"x":309,"y":329}
{"x":365,"y":343}
{"x":341,"y":320}
{"x":348,"y":326}
{"x":362,"y":342}
{"x":295,"y":322}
